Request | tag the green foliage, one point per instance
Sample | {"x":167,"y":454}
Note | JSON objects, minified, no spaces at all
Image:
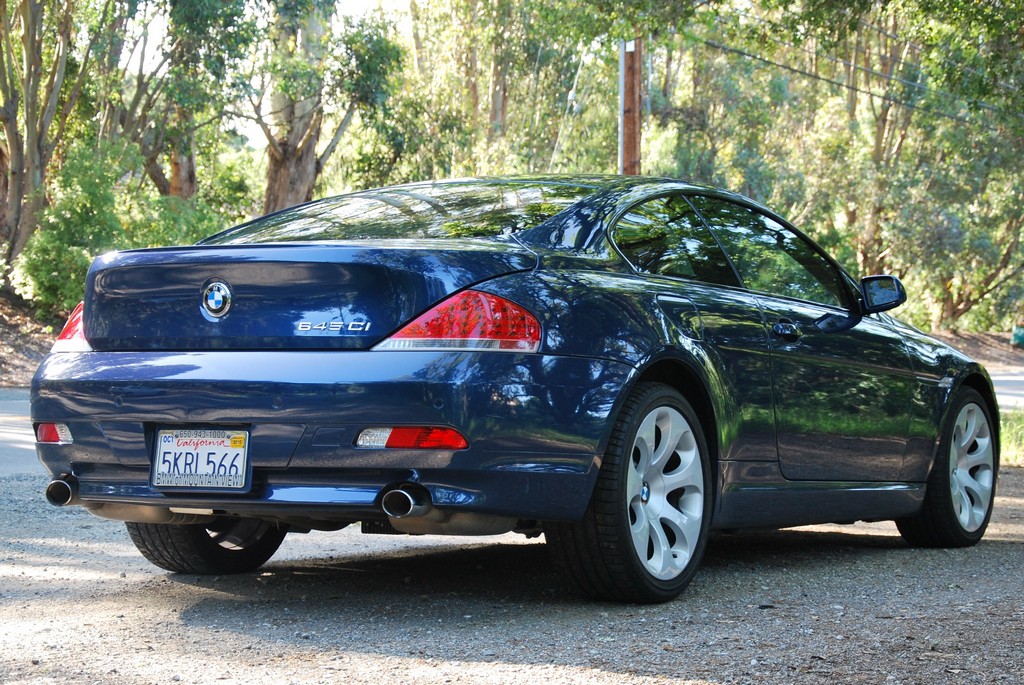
{"x":299,"y":78}
{"x":232,"y":190}
{"x":365,"y":59}
{"x":99,"y":205}
{"x":347,"y":61}
{"x":588,"y":20}
{"x":408,"y":141}
{"x":81,"y":222}
{"x":493,"y":87}
{"x":155,"y":220}
{"x":50,"y":272}
{"x":890,"y":132}
{"x":836,"y":117}
{"x":209,"y":39}
{"x":292,"y":14}
{"x":1011,"y":434}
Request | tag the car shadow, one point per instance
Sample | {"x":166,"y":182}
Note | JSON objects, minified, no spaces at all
{"x":520,"y":572}
{"x":485,"y":602}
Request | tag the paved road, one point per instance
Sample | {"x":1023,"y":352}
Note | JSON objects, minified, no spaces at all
{"x":17,"y":451}
{"x":1009,"y":389}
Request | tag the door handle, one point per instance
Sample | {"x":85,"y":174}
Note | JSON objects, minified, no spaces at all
{"x":787,"y":330}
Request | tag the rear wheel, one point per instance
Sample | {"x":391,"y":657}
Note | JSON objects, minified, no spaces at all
{"x":227,"y":545}
{"x":645,"y":530}
{"x":962,"y":486}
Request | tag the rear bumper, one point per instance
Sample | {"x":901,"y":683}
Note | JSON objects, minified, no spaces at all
{"x":535,"y":424}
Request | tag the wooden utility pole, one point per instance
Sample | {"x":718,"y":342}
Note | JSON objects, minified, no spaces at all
{"x":630,"y":89}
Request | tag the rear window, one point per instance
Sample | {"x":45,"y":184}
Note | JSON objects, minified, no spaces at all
{"x":447,"y":210}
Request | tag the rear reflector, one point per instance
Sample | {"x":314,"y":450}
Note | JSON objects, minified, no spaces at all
{"x":412,"y":438}
{"x":470,"y":320}
{"x":72,"y":337}
{"x":53,"y":434}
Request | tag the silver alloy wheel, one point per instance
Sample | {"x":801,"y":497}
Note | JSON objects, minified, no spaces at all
{"x":972,"y":467}
{"x":665,"y":493}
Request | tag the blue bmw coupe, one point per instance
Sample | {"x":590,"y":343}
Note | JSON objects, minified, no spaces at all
{"x":620,"y":364}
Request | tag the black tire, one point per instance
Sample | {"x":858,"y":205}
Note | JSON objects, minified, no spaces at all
{"x":961,"y":488}
{"x":228,"y":545}
{"x":667,"y":505}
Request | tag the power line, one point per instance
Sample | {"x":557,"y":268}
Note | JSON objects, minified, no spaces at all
{"x":803,"y":72}
{"x":917,"y":46}
{"x":872,"y":72}
{"x":882,"y":31}
{"x":839,"y":60}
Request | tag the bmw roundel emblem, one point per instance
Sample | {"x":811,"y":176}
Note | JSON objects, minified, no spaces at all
{"x":217,"y":299}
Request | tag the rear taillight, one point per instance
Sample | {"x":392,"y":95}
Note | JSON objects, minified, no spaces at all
{"x":72,"y":337}
{"x":412,"y":438}
{"x":53,"y":434}
{"x":470,"y":320}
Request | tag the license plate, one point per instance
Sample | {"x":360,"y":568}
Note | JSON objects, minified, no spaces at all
{"x":201,"y":459}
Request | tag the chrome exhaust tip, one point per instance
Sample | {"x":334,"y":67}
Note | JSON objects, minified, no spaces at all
{"x":61,"y":492}
{"x":402,"y":503}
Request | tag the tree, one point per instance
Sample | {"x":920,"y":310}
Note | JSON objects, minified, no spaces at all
{"x":876,"y":127}
{"x":934,"y":107}
{"x":890,"y":132}
{"x":962,"y":220}
{"x":42,"y":71}
{"x":496,"y":86}
{"x":207,"y":39}
{"x":157,"y":90}
{"x":316,"y":81}
{"x":981,"y":60}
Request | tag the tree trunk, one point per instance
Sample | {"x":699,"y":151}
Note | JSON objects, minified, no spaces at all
{"x":183,"y":158}
{"x":292,"y":167}
{"x":13,"y":199}
{"x":10,"y":200}
{"x":499,"y":100}
{"x":501,"y":15}
{"x":469,"y":61}
{"x":183,"y":173}
{"x":880,"y":58}
{"x":291,"y":177}
{"x":5,"y":170}
{"x":419,"y":58}
{"x":156,"y":175}
{"x":6,"y":220}
{"x":33,"y":203}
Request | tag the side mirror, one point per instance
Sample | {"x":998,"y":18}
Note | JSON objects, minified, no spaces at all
{"x":882,"y":293}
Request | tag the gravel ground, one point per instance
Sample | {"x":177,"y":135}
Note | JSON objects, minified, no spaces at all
{"x":827,"y":604}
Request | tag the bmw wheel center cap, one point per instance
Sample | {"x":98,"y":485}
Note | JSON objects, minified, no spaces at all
{"x":217,"y":299}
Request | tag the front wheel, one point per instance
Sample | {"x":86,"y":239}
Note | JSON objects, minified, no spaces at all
{"x":227,"y":545}
{"x":645,"y":530}
{"x":961,"y":488}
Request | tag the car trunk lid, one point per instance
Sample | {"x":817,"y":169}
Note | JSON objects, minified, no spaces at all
{"x":283,"y":295}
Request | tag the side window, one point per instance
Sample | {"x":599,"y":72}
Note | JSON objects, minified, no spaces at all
{"x":770,"y":257}
{"x":665,"y":236}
